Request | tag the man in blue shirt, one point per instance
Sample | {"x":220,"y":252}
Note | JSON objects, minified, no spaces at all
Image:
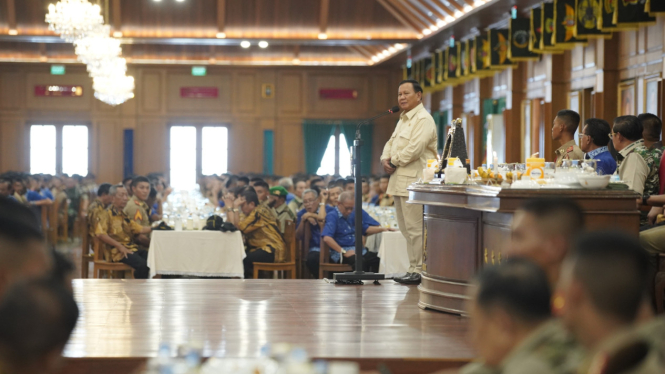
{"x":313,"y":214}
{"x":594,"y":139}
{"x":339,"y":232}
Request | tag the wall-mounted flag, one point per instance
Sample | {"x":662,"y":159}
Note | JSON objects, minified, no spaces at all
{"x":588,"y":14}
{"x":606,"y":19}
{"x":520,"y":35}
{"x":632,"y":14}
{"x":565,"y":23}
{"x":499,"y":47}
{"x":655,"y":6}
{"x":536,"y":31}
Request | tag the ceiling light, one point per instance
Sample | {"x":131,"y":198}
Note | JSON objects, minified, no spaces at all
{"x":43,"y":58}
{"x":323,"y":36}
{"x":221,"y":35}
{"x":433,"y":28}
{"x":392,"y":49}
{"x":117,"y":34}
{"x":263,"y":44}
{"x":74,"y":19}
{"x":449,"y":19}
{"x":375,"y":59}
{"x":427,"y":31}
{"x":467,"y":8}
{"x":478,"y":2}
{"x":385,"y":53}
{"x":296,"y":61}
{"x":13,"y":32}
{"x":157,"y":1}
{"x":180,"y":1}
{"x":458,"y":13}
{"x":440,"y":22}
{"x":419,"y":36}
{"x":399,"y":46}
{"x":245,"y":44}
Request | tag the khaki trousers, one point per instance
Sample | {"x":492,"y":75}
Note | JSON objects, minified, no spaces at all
{"x":653,"y":241}
{"x":410,"y":221}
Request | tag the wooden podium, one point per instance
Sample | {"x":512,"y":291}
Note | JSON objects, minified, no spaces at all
{"x":466,"y":228}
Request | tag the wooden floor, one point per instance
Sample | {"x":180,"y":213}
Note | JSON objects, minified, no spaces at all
{"x":235,"y":318}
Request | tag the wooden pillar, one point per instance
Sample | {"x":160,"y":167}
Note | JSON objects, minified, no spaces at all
{"x":436,"y":98}
{"x":607,"y":78}
{"x":558,"y":99}
{"x":458,"y":101}
{"x":513,"y":114}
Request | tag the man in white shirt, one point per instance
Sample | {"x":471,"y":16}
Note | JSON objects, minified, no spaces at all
{"x":627,"y":139}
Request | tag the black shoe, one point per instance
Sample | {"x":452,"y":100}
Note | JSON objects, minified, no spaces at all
{"x":402,"y":278}
{"x":413,"y":279}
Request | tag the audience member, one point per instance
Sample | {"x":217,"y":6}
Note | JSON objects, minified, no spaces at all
{"x":601,"y":291}
{"x":155,"y":205}
{"x":33,"y":195}
{"x":242,"y":182}
{"x":544,"y":230}
{"x":627,"y":139}
{"x":593,"y":141}
{"x":38,"y":317}
{"x":277,"y":203}
{"x":313,"y":214}
{"x":348,"y":184}
{"x":20,"y":189}
{"x":565,"y":125}
{"x":6,"y":189}
{"x":116,"y":229}
{"x":375,"y":192}
{"x":262,"y":192}
{"x":334,"y":190}
{"x":287,"y":183}
{"x":317,"y":182}
{"x":339,"y":232}
{"x":98,"y":207}
{"x":78,"y":201}
{"x":23,"y":253}
{"x":127,"y":182}
{"x":511,"y":324}
{"x":259,"y":227}
{"x":296,"y":204}
{"x":137,"y":209}
{"x":385,"y":199}
{"x":651,"y":129}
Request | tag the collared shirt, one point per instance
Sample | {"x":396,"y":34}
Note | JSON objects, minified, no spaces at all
{"x":412,"y":143}
{"x":95,"y":210}
{"x":20,"y":198}
{"x":343,"y":230}
{"x":283,"y":214}
{"x":314,"y":230}
{"x":261,"y":232}
{"x":46,"y":193}
{"x":606,"y":165}
{"x":290,"y":197}
{"x":386,"y":200}
{"x":568,"y":151}
{"x":295,"y":205}
{"x":137,"y":211}
{"x":652,"y":158}
{"x":120,"y":228}
{"x":633,"y":170}
{"x":31,"y":196}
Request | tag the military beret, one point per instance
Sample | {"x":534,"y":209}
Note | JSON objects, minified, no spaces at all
{"x":279,"y":191}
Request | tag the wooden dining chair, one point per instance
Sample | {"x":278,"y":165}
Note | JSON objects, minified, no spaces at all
{"x":326,"y":266}
{"x":54,"y":223}
{"x":86,"y":256}
{"x":304,"y":251}
{"x":63,"y":219}
{"x":290,"y":246}
{"x":100,"y":264}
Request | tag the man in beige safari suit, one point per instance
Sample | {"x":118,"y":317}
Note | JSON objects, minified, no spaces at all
{"x":404,"y":158}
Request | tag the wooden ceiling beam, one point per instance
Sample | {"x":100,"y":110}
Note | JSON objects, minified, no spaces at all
{"x":416,"y":9}
{"x":323,"y":16}
{"x":439,"y":5}
{"x":455,"y":5}
{"x":411,"y":16}
{"x":117,"y":18}
{"x":406,"y":22}
{"x":221,"y":17}
{"x":436,"y":12}
{"x":361,"y":51}
{"x":11,"y":15}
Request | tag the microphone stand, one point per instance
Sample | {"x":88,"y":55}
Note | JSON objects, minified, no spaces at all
{"x":357,"y":276}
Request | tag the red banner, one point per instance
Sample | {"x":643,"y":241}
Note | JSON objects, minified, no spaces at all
{"x":58,"y":91}
{"x":199,"y":92}
{"x":338,"y":93}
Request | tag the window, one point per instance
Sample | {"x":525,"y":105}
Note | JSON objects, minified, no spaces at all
{"x":56,"y":149}
{"x":329,"y":163}
{"x":185,"y":152}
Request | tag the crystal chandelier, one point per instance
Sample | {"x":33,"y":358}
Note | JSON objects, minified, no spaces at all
{"x":110,"y":67}
{"x":74,"y":19}
{"x":114,"y":89}
{"x":98,"y":46}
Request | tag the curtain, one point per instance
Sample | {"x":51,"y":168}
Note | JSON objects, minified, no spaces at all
{"x":366,"y":133}
{"x":441,"y":122}
{"x":316,"y":137}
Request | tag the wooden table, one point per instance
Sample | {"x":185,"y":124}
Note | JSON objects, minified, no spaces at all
{"x":466,"y":227}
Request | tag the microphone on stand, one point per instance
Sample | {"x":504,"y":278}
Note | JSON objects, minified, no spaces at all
{"x":392,"y":110}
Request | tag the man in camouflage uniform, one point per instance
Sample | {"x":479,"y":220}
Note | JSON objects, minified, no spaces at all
{"x":565,"y":124}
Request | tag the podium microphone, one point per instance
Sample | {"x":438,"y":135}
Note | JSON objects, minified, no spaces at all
{"x":392,"y":110}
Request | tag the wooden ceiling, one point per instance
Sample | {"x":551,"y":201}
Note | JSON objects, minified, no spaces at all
{"x":316,"y":32}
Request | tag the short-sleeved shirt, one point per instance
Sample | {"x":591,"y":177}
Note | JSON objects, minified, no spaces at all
{"x":652,"y":158}
{"x":31,"y":196}
{"x":120,"y":228}
{"x":261,"y":231}
{"x":314,"y":230}
{"x":606,"y":165}
{"x":295,"y":205}
{"x":343,"y":230}
{"x":137,"y":211}
{"x":568,"y":151}
{"x":283,"y":214}
{"x":95,"y":210}
{"x":633,"y":168}
{"x":46,"y":193}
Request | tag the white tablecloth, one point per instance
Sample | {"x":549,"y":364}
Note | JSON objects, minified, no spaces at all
{"x":392,"y":251}
{"x":196,"y":253}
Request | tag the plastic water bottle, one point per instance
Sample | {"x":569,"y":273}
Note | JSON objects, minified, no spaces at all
{"x":615,"y":178}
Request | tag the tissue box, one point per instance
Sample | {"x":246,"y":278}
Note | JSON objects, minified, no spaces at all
{"x":455,"y":175}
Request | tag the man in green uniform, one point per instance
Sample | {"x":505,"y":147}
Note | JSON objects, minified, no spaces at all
{"x":137,"y":209}
{"x":116,"y":229}
{"x":511,"y":324}
{"x":566,"y":123}
{"x":279,"y":208}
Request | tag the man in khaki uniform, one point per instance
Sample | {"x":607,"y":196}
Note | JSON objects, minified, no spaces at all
{"x":279,"y":207}
{"x":137,"y":209}
{"x":404,"y":157}
{"x":566,"y":123}
{"x":511,"y":324}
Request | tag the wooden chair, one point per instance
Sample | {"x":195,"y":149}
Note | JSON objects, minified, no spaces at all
{"x":64,"y":219}
{"x":53,"y":223}
{"x":100,"y":264}
{"x":304,"y":251}
{"x":326,"y":266}
{"x":290,"y":264}
{"x":659,"y":288}
{"x":86,"y":256}
{"x":44,"y":209}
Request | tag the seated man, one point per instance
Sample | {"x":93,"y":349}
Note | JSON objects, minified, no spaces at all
{"x":263,"y":241}
{"x":652,"y":126}
{"x":98,"y":207}
{"x":137,"y":209}
{"x":313,"y":214}
{"x":385,"y":199}
{"x":116,"y":229}
{"x":20,"y":188}
{"x":593,"y":141}
{"x":564,"y":127}
{"x":277,"y":204}
{"x":78,"y":201}
{"x":127,"y":182}
{"x":334,"y":190}
{"x":348,"y":184}
{"x":627,"y":140}
{"x":511,"y":324}
{"x":262,"y":192}
{"x":296,"y":204}
{"x":38,"y":317}
{"x":601,"y":292}
{"x":6,"y":189}
{"x":340,"y":235}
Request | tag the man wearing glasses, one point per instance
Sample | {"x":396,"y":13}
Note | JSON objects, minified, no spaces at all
{"x":634,"y":170}
{"x":593,"y":141}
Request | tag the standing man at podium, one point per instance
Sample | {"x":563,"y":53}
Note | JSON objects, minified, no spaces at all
{"x":404,"y":157}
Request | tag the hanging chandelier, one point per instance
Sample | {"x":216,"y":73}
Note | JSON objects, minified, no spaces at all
{"x":74,"y":19}
{"x":114,"y":89}
{"x":110,"y":67}
{"x":98,"y":46}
